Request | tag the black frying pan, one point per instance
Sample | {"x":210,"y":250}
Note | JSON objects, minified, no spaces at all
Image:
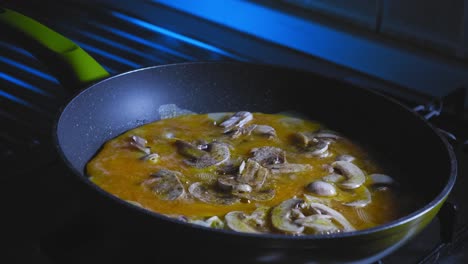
{"x":415,"y":152}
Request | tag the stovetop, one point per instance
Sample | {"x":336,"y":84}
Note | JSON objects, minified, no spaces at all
{"x":47,"y":220}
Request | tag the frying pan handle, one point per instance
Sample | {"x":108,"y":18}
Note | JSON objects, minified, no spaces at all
{"x":71,"y":65}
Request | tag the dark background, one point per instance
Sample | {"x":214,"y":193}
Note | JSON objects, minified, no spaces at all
{"x":413,"y":51}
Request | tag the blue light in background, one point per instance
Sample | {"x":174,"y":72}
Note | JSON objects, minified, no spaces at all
{"x":28,"y":69}
{"x":269,"y":24}
{"x":117,"y":45}
{"x":145,"y":42}
{"x":15,"y":99}
{"x":16,"y":49}
{"x":364,"y":53}
{"x":24,"y":84}
{"x":175,"y":35}
{"x":108,"y":55}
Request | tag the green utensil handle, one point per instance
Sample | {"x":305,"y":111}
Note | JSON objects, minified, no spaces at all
{"x":71,"y":65}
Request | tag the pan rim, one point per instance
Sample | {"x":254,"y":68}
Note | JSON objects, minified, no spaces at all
{"x":439,"y":199}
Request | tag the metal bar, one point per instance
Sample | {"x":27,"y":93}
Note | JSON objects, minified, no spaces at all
{"x":462,"y":50}
{"x":175,"y":35}
{"x":380,"y":9}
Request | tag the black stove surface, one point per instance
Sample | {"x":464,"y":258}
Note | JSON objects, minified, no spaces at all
{"x":49,"y":220}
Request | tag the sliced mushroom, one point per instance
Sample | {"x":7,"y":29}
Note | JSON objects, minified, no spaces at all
{"x":140,"y":143}
{"x":238,"y":221}
{"x":355,"y":176}
{"x":333,"y":178}
{"x":166,"y":184}
{"x":301,"y":139}
{"x":305,"y":139}
{"x":321,"y":224}
{"x":259,"y":130}
{"x":334,"y":214}
{"x":365,"y":198}
{"x":345,"y":157}
{"x":230,"y":167}
{"x":242,"y":188}
{"x":230,"y":183}
{"x":313,"y":146}
{"x":259,"y":216}
{"x":218,"y":153}
{"x":253,"y":223}
{"x":253,"y":174}
{"x":243,"y":131}
{"x":313,"y":199}
{"x":324,"y":134}
{"x":268,"y":155}
{"x":209,"y":195}
{"x":237,"y":120}
{"x":317,"y":149}
{"x":328,"y":168}
{"x":189,"y":150}
{"x":321,"y":188}
{"x":152,"y":158}
{"x":265,"y":130}
{"x":281,"y":216}
{"x":227,"y":182}
{"x":289,"y":168}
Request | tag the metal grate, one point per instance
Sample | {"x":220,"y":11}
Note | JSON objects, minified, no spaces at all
{"x":30,"y":97}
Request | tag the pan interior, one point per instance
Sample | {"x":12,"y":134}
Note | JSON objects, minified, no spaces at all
{"x":406,"y":145}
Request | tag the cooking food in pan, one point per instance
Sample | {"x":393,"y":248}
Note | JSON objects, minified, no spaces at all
{"x":249,"y":172}
{"x":420,"y":164}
